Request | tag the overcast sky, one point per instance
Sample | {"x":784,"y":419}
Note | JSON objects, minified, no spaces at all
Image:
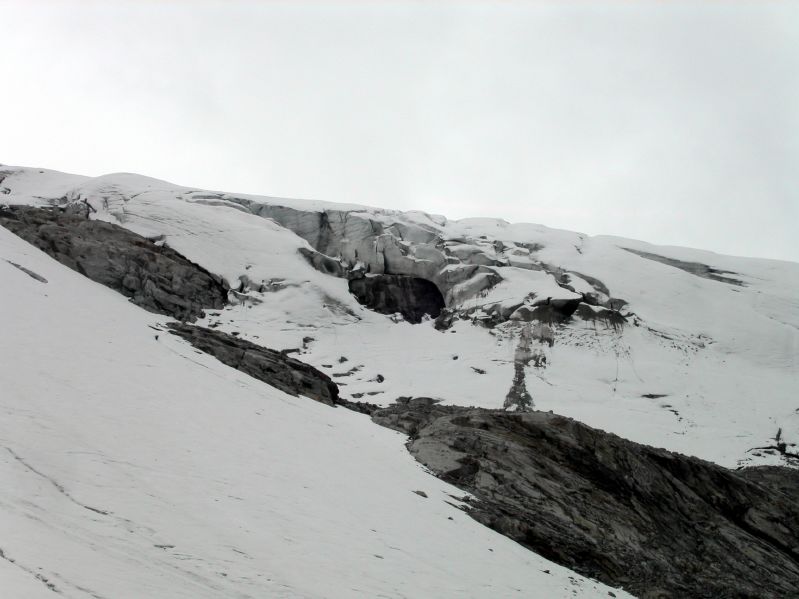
{"x":672,"y":122}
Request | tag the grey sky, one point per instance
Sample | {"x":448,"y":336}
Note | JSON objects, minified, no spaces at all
{"x":672,"y":122}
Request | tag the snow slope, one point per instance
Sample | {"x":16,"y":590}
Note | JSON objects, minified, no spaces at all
{"x":703,"y":366}
{"x":134,"y":466}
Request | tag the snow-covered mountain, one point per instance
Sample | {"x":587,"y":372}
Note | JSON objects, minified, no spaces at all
{"x":705,"y":362}
{"x":143,"y":467}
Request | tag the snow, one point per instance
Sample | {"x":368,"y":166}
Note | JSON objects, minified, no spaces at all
{"x":38,"y":186}
{"x":138,"y":467}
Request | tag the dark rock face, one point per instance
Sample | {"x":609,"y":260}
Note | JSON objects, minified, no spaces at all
{"x":409,"y":414}
{"x":657,"y":523}
{"x":272,"y":367}
{"x":410,"y":296}
{"x":156,"y":278}
{"x":776,"y":478}
{"x":695,"y":268}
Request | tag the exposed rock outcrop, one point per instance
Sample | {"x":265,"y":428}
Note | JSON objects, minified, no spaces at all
{"x":388,"y":294}
{"x":272,"y":367}
{"x":408,"y":414}
{"x":660,"y":524}
{"x":777,"y":478}
{"x":695,"y":268}
{"x":33,"y":275}
{"x":153,"y":276}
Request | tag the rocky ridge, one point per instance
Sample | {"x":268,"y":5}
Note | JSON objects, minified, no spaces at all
{"x":272,"y":367}
{"x":153,"y":276}
{"x":659,"y":524}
